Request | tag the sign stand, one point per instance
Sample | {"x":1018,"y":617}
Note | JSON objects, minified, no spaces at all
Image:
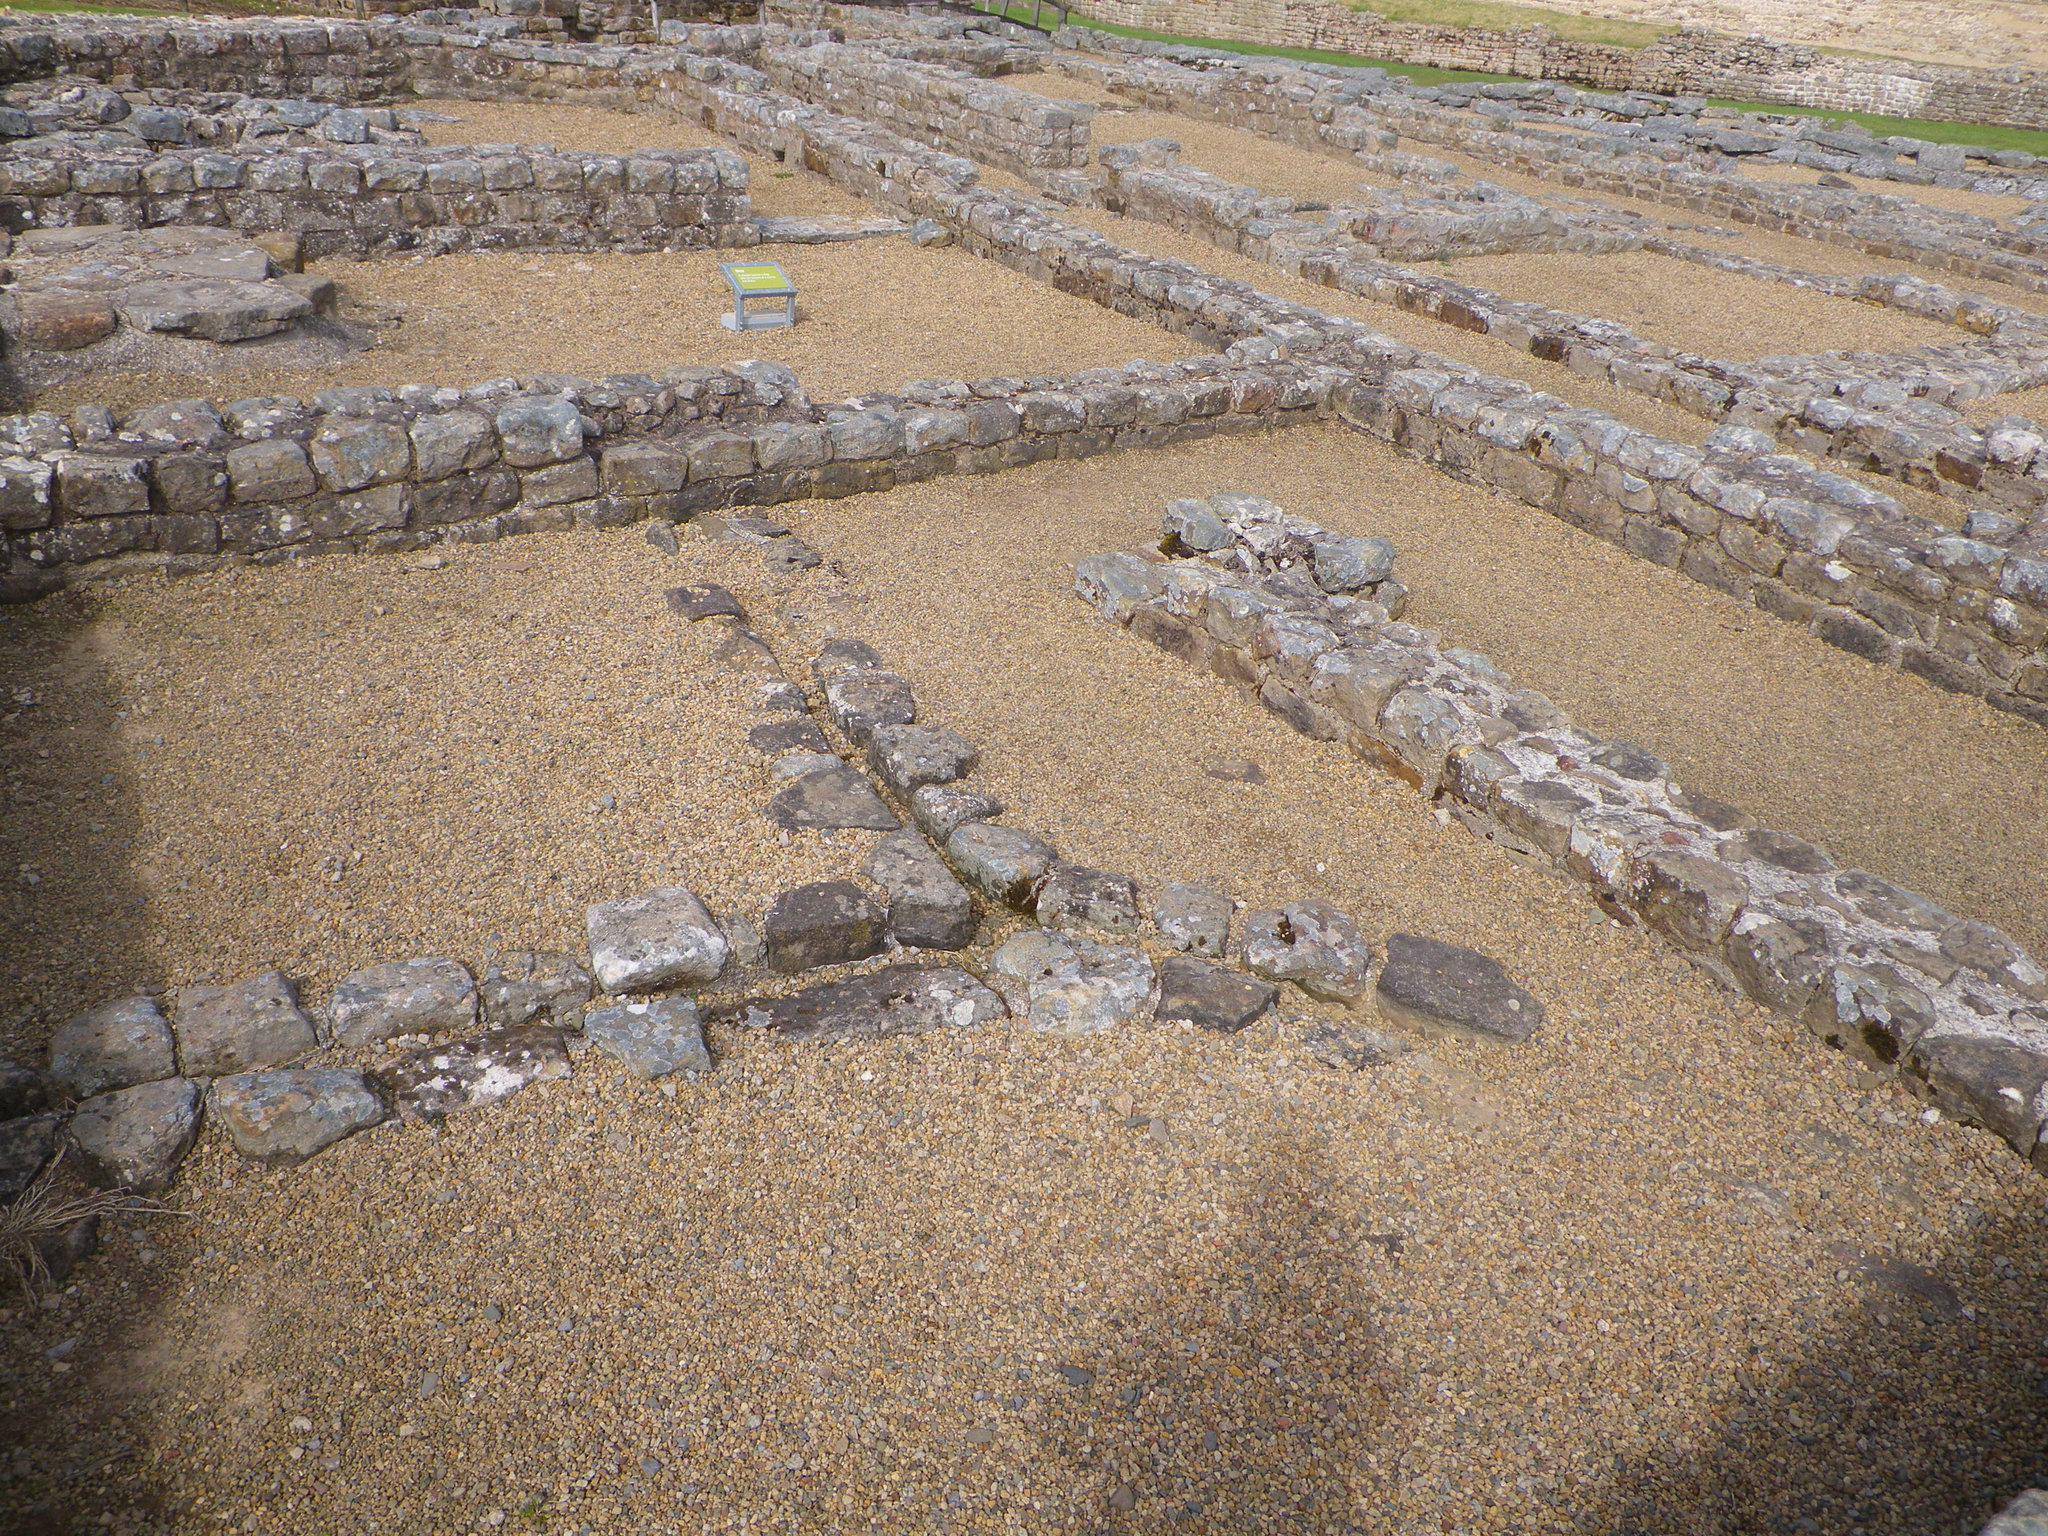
{"x":758,"y":280}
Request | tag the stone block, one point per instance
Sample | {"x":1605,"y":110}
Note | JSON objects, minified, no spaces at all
{"x":134,"y":1138}
{"x":661,"y":938}
{"x":651,"y":1039}
{"x":240,"y":1027}
{"x":831,"y":922}
{"x":402,"y":997}
{"x":283,"y":1118}
{"x":1211,"y":996}
{"x":1436,"y":988}
{"x":115,"y":1045}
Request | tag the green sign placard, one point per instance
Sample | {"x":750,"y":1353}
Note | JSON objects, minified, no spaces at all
{"x":756,"y":276}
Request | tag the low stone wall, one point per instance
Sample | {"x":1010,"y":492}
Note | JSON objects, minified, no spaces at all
{"x":1340,"y":112}
{"x":1954,"y":1005}
{"x":362,"y":201}
{"x":1686,"y":63}
{"x":957,"y":112}
{"x":1882,"y":419}
{"x":187,"y":485}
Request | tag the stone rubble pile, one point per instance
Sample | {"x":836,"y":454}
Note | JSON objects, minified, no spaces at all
{"x":1953,"y":1004}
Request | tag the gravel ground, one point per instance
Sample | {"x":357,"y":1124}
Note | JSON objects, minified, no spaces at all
{"x":459,"y":319}
{"x":1697,"y":309}
{"x":2025,"y":402}
{"x":205,"y":755}
{"x":1667,"y":1268}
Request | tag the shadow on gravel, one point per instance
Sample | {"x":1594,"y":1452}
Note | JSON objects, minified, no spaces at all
{"x":1921,"y":1412}
{"x":1247,"y":1395}
{"x":73,"y":921}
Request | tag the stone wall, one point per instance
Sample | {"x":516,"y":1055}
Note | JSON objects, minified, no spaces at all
{"x":1957,"y":1008}
{"x":187,"y":485}
{"x":1745,"y":69}
{"x":362,"y":201}
{"x":989,"y":122}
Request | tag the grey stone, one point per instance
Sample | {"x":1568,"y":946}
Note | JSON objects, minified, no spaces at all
{"x":1350,"y":1048}
{"x":351,"y":454}
{"x":660,"y":938}
{"x":1990,"y":953}
{"x":1345,"y":564}
{"x":402,"y":997}
{"x":282,"y":1118}
{"x":1875,"y":1012}
{"x":1984,"y":1079}
{"x":26,"y":1145}
{"x":1073,"y":986}
{"x":703,"y":600}
{"x":942,"y":808}
{"x":1688,"y":899}
{"x":830,"y":922}
{"x":795,"y":765}
{"x":1210,"y":995}
{"x":1311,"y":944}
{"x":1193,"y":919}
{"x":838,"y":659}
{"x":651,"y":1039}
{"x":897,"y":1000}
{"x":743,"y":940}
{"x":909,"y":756}
{"x":1075,"y":896}
{"x":1000,"y":863}
{"x":115,"y":1045}
{"x":928,"y":908}
{"x":241,"y":1027}
{"x":1192,"y":525}
{"x":134,"y":1138}
{"x":275,"y":469}
{"x":23,"y":1091}
{"x":540,"y":429}
{"x":1882,"y":902}
{"x":158,"y":125}
{"x":449,"y":443}
{"x":439,"y":1080}
{"x":213,"y":311}
{"x":1116,"y":585}
{"x":930,"y":232}
{"x":832,"y":796}
{"x":863,"y":702}
{"x":1437,"y":988}
{"x":527,"y":984}
{"x":779,"y":737}
{"x":2025,"y":1515}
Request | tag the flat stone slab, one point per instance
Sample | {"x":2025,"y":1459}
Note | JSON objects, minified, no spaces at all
{"x":526,"y":984}
{"x":1193,"y":919}
{"x":897,"y":1000}
{"x":1074,"y":896}
{"x":651,"y":1039}
{"x":1437,"y":988}
{"x":943,"y":808}
{"x":862,"y":703}
{"x":212,"y":310}
{"x":703,"y":600}
{"x":661,"y":938}
{"x":282,"y":1118}
{"x":778,"y":738}
{"x":908,"y":756}
{"x":1212,"y":996}
{"x":1351,"y":1048}
{"x":26,"y":1144}
{"x":831,"y":922}
{"x":241,"y":1027}
{"x":826,"y":229}
{"x":1311,"y":944}
{"x":831,"y":798}
{"x":1000,"y":863}
{"x":928,"y":907}
{"x":402,"y":997}
{"x":440,"y":1080}
{"x":115,"y":1045}
{"x":1059,"y":985}
{"x":134,"y":1138}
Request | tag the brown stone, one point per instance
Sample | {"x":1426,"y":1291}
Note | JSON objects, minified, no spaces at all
{"x":62,"y":319}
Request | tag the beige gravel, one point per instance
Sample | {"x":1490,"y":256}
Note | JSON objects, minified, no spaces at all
{"x":461,"y":319}
{"x":1957,"y":199}
{"x":2024,"y":402}
{"x":1698,"y":309}
{"x":1667,"y":1267}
